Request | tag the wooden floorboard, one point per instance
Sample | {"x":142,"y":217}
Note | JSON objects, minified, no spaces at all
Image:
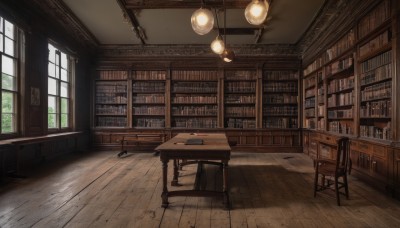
{"x":98,"y":189}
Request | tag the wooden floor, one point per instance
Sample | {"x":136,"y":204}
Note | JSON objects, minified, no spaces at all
{"x":99,"y":189}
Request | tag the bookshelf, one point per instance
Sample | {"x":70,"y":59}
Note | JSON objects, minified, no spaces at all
{"x":309,"y":85}
{"x":321,"y":101}
{"x":280,"y":107}
{"x":110,"y":103}
{"x":148,"y":99}
{"x":240,"y":99}
{"x":194,"y":99}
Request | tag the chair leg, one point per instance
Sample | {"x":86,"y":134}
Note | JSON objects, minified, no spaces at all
{"x":337,"y":190}
{"x":346,"y":186}
{"x":315,"y":184}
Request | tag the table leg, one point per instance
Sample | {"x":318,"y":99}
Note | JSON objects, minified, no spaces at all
{"x":164,"y":195}
{"x":225,"y":187}
{"x":174,"y":181}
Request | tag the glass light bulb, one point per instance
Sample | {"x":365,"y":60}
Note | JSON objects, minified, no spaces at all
{"x":202,"y":21}
{"x":218,"y":46}
{"x":228,"y":55}
{"x":256,"y":12}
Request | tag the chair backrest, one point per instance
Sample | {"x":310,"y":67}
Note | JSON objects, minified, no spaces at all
{"x":343,"y":154}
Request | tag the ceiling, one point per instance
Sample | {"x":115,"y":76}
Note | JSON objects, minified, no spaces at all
{"x":167,"y":22}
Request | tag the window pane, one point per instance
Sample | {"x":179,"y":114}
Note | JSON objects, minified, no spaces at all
{"x":64,"y":105}
{"x":7,"y":82}
{"x":1,"y":24}
{"x":64,"y":89}
{"x":52,"y":121}
{"x":7,"y":102}
{"x":52,"y":105}
{"x":57,"y":71}
{"x":8,"y":66}
{"x":57,"y":58}
{"x":1,"y":42}
{"x":52,"y":70}
{"x":64,"y":120}
{"x":9,"y":29}
{"x":7,"y":123}
{"x":52,"y":53}
{"x":52,"y":84}
{"x":64,"y":75}
{"x":64,"y":61}
{"x":9,"y":46}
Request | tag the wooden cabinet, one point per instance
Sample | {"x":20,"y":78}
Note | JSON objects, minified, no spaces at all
{"x":396,"y":172}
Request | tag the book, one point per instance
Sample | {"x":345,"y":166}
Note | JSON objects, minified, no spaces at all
{"x":194,"y":141}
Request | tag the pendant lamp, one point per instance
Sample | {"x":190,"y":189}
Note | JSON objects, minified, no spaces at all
{"x":256,"y":12}
{"x":202,"y":21}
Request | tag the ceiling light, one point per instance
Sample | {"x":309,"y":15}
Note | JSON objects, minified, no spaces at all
{"x":256,"y":11}
{"x":218,"y":45}
{"x":202,"y":21}
{"x":228,"y":55}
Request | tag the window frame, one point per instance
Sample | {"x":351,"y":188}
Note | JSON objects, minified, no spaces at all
{"x":58,"y":97}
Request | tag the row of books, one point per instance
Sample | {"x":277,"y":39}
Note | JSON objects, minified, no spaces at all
{"x":111,"y":109}
{"x":149,"y":110}
{"x":310,"y":123}
{"x":374,"y":19}
{"x":373,"y":63}
{"x":240,"y":111}
{"x":309,"y":82}
{"x":280,"y":123}
{"x":103,"y":98}
{"x":107,"y":88}
{"x":309,"y":113}
{"x":111,"y":121}
{"x":158,"y":87}
{"x":376,"y":109}
{"x":310,"y":93}
{"x":384,"y":133}
{"x":112,"y":75}
{"x":149,"y":122}
{"x":341,"y":99}
{"x":379,"y":74}
{"x":281,"y":75}
{"x":341,"y":127}
{"x":240,"y":75}
{"x":344,"y":44}
{"x":240,"y":123}
{"x":280,"y":98}
{"x":237,"y":99}
{"x":321,"y":110}
{"x":313,"y":66}
{"x":179,"y":98}
{"x":232,"y":87}
{"x":281,"y":110}
{"x":309,"y":102}
{"x":209,"y":110}
{"x":280,"y":87}
{"x":321,"y":124}
{"x":377,"y":91}
{"x":204,"y":87}
{"x":149,"y":75}
{"x":376,"y":43}
{"x":339,"y":66}
{"x":195,"y":75}
{"x":194,"y":122}
{"x":338,"y":85}
{"x":337,"y":114}
{"x":146,"y":98}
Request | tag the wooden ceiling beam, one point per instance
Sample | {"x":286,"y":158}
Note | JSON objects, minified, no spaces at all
{"x":183,"y":4}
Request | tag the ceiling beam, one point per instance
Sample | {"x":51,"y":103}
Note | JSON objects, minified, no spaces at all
{"x":184,"y":4}
{"x":134,"y":22}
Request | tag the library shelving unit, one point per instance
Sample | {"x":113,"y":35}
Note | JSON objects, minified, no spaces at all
{"x":321,"y":101}
{"x":280,"y":106}
{"x":110,"y":102}
{"x":148,"y":99}
{"x":194,"y":99}
{"x":310,"y":90}
{"x":240,"y":99}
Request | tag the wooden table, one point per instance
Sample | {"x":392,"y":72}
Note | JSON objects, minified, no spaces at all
{"x":215,"y":147}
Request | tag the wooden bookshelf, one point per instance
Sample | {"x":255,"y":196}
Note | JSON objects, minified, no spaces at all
{"x":280,"y":94}
{"x":148,"y":98}
{"x":194,"y":99}
{"x":240,"y":99}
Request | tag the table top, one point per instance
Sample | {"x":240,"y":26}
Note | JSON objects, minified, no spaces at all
{"x":211,"y":142}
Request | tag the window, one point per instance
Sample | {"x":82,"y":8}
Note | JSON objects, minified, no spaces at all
{"x":9,"y":76}
{"x":59,"y":90}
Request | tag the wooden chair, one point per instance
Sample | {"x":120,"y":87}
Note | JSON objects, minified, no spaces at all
{"x":331,"y":175}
